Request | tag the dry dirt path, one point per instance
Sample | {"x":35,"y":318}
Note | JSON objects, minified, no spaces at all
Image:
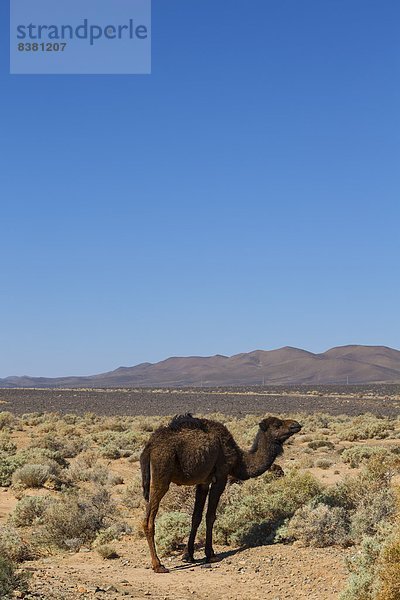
{"x":275,"y":572}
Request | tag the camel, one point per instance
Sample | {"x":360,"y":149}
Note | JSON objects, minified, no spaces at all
{"x":203,"y":453}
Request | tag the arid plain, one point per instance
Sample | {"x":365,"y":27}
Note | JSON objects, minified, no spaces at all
{"x":71,"y":503}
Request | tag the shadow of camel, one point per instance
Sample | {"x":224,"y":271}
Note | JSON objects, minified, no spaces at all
{"x":260,"y":534}
{"x":202,"y":561}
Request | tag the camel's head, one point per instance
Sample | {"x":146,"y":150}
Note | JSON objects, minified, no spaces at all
{"x":280,"y":429}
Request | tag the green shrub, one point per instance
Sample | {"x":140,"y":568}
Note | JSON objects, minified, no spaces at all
{"x":7,"y":446}
{"x":250,"y":513}
{"x":133,"y":495}
{"x":318,"y":526}
{"x":375,"y":568}
{"x":9,"y":580}
{"x":389,"y":568}
{"x":107,"y":552}
{"x":41,"y":456}
{"x":366,"y":427}
{"x":373,"y":509}
{"x":323,"y":463}
{"x":114,"y":532}
{"x":75,"y":518}
{"x":29,"y":510}
{"x":38,"y":456}
{"x":115,"y":444}
{"x":7,"y":420}
{"x":13,"y":547}
{"x":357,"y":454}
{"x":171,"y":530}
{"x":316,"y":444}
{"x":8,"y":464}
{"x":32,"y":476}
{"x":111,"y":451}
{"x":362,"y":583}
{"x":65,"y":447}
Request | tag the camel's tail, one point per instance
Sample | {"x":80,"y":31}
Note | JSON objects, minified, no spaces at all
{"x":145,"y":467}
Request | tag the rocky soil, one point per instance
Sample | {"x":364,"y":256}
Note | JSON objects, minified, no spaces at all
{"x":276,"y":572}
{"x":350,"y":400}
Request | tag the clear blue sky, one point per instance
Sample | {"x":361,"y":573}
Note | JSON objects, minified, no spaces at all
{"x":245,"y":195}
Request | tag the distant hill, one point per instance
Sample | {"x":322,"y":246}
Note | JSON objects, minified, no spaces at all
{"x":355,"y":364}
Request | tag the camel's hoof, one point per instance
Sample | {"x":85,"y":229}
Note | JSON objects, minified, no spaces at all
{"x":187,"y":558}
{"x":213,"y":559}
{"x":160,"y":569}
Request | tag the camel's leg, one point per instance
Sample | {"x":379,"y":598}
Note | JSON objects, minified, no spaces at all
{"x":201,"y":496}
{"x":215,"y":493}
{"x":157,"y":492}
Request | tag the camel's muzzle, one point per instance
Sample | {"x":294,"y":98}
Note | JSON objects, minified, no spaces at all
{"x":295,"y":427}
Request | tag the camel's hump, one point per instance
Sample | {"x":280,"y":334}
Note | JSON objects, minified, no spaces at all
{"x":186,"y":421}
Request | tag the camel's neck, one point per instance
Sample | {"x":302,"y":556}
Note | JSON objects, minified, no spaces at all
{"x":259,"y":458}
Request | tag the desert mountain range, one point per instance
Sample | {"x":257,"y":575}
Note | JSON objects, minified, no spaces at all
{"x":344,"y":364}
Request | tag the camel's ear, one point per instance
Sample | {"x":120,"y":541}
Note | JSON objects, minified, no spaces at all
{"x":263,"y":425}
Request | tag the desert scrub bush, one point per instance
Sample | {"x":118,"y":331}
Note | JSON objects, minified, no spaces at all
{"x":114,"y":445}
{"x":65,"y":447}
{"x":107,"y":552}
{"x":75,"y":519}
{"x":357,"y":454}
{"x":373,"y":509}
{"x":8,"y":464}
{"x":135,"y":456}
{"x":71,"y":419}
{"x":367,"y":498}
{"x":13,"y":547}
{"x":250,"y":513}
{"x":44,"y":456}
{"x":86,"y":469}
{"x":10,"y":580}
{"x":171,"y":530}
{"x":323,"y":463}
{"x":389,"y":567}
{"x":362,"y":583}
{"x":375,"y":568}
{"x":7,"y":446}
{"x":29,"y":510}
{"x":114,"y":424}
{"x":315,"y":422}
{"x":7,"y":421}
{"x":366,"y":427}
{"x":179,"y":498}
{"x":133,"y":495}
{"x":146,"y":424}
{"x":316,"y":444}
{"x":114,"y":532}
{"x":243,"y":430}
{"x":33,"y":475}
{"x":317,"y":526}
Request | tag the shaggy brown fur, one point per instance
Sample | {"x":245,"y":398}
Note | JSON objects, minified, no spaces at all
{"x":200,"y":452}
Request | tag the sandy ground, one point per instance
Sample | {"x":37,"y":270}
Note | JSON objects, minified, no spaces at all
{"x":276,"y":572}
